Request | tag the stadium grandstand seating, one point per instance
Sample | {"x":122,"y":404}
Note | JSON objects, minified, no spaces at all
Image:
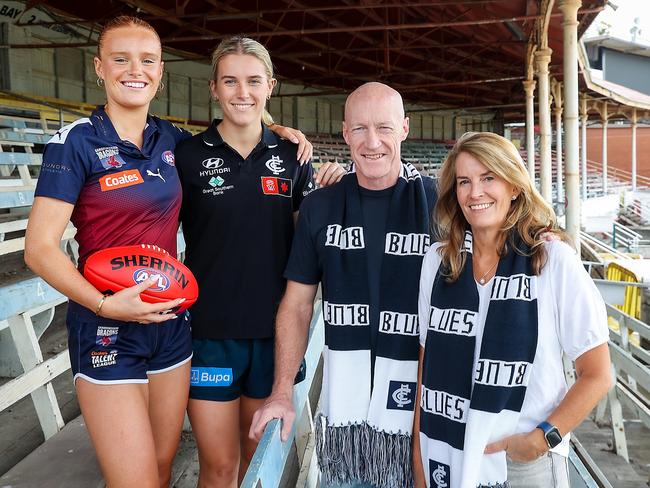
{"x":427,"y":156}
{"x":28,"y":304}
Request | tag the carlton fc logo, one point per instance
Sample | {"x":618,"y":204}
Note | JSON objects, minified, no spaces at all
{"x":275,"y":165}
{"x":212,"y":163}
{"x":439,"y":474}
{"x":401,"y":395}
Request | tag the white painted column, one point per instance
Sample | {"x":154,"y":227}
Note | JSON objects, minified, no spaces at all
{"x":634,"y":121}
{"x":603,"y":119}
{"x":559,"y":174}
{"x":543,"y":58}
{"x":583,"y":144}
{"x":529,"y":88}
{"x":559,"y":177}
{"x":570,"y":10}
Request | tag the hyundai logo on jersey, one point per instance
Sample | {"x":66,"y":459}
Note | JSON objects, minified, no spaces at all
{"x":201,"y":376}
{"x":212,"y":163}
{"x":401,"y":395}
{"x":139,"y":275}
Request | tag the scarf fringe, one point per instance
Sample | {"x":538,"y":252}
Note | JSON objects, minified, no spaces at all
{"x":360,"y":453}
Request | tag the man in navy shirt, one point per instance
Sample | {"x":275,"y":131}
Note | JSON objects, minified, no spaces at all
{"x":363,"y":241}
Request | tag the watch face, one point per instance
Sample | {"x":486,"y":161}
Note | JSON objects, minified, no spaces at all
{"x":553,"y":437}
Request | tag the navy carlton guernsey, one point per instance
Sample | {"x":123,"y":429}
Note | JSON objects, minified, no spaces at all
{"x":237,"y":217}
{"x":123,"y":195}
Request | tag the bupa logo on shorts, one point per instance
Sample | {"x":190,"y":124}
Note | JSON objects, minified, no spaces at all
{"x":439,"y":474}
{"x":168,"y":157}
{"x":122,"y":179}
{"x":401,"y":395}
{"x":106,"y":336}
{"x":276,"y":186}
{"x":110,"y":157}
{"x":201,"y":376}
{"x":142,"y":274}
{"x":275,"y":165}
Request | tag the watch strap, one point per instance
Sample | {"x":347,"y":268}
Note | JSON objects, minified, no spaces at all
{"x":551,"y":434}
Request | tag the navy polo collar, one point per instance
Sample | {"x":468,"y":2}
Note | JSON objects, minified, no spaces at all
{"x":212,"y":137}
{"x":103,"y":124}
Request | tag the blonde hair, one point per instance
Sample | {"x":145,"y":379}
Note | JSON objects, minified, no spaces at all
{"x":123,"y":21}
{"x":244,"y":45}
{"x":529,"y":216}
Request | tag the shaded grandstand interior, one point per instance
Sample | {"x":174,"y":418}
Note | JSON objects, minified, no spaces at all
{"x":460,"y":62}
{"x":466,"y":54}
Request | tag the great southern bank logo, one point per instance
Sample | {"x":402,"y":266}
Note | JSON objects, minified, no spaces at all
{"x":201,"y":376}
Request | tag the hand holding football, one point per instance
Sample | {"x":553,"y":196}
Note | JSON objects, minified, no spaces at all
{"x":116,"y":268}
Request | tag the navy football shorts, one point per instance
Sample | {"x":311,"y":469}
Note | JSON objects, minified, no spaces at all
{"x":108,"y":351}
{"x":224,"y":370}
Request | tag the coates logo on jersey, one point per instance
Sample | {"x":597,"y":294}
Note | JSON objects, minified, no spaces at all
{"x":110,"y":157}
{"x":276,"y":186}
{"x":122,"y":179}
{"x":168,"y":157}
{"x":142,"y":274}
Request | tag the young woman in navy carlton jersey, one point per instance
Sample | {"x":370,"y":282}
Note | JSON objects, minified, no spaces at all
{"x":242,"y":187}
{"x":113,"y":174}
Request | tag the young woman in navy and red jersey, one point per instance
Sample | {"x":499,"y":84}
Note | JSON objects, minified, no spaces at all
{"x":242,"y":186}
{"x":114,"y":176}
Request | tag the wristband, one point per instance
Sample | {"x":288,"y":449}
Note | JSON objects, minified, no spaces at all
{"x":100,"y":304}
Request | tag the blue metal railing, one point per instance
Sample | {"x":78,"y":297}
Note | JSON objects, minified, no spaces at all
{"x":267,"y":465}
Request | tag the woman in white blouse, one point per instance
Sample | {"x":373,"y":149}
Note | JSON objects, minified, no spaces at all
{"x":499,"y":305}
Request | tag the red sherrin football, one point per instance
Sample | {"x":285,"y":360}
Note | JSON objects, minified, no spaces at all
{"x":115,"y":268}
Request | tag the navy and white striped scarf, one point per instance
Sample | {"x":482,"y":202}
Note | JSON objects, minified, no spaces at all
{"x":462,"y":409}
{"x":364,"y":432}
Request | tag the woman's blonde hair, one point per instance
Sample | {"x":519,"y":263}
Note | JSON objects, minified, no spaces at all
{"x":529,"y":216}
{"x":244,"y":45}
